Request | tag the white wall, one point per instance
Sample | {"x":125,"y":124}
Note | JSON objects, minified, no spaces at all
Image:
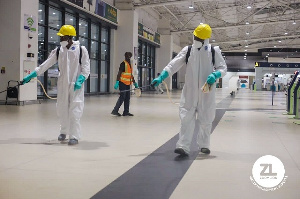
{"x":14,"y":44}
{"x":148,"y":18}
{"x":229,"y":81}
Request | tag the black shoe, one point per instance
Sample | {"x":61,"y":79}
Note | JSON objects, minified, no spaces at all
{"x":72,"y":142}
{"x":61,"y":137}
{"x":205,"y":150}
{"x":127,"y":114}
{"x":180,"y":151}
{"x":115,"y":113}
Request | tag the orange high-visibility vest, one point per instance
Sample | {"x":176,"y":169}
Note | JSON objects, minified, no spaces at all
{"x":126,"y":77}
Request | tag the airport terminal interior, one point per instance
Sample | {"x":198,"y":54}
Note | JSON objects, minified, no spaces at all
{"x":254,"y":136}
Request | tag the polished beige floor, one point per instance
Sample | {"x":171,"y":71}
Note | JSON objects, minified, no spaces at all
{"x":33,"y":164}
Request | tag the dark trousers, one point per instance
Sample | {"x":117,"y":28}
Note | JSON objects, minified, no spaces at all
{"x":124,"y":97}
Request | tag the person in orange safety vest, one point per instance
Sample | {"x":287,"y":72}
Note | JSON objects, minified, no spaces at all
{"x":123,"y":82}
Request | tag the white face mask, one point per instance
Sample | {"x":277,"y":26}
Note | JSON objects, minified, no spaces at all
{"x":197,"y":44}
{"x":64,"y":43}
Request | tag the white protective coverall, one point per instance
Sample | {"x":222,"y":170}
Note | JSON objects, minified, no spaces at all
{"x":193,"y":100}
{"x":70,"y":103}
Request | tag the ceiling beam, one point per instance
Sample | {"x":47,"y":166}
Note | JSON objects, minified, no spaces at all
{"x":165,"y":3}
{"x":258,"y":39}
{"x":240,"y":26}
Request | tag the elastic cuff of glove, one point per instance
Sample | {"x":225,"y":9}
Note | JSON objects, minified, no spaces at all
{"x":217,"y":74}
{"x":164,"y":74}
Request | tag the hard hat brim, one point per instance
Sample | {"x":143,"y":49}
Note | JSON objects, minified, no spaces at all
{"x":59,"y":34}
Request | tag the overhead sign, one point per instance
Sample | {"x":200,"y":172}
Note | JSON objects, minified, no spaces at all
{"x":277,"y":65}
{"x":148,"y":33}
{"x":98,"y":7}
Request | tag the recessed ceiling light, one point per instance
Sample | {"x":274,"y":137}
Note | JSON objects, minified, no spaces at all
{"x":286,"y":33}
{"x":279,"y":41}
{"x":245,"y":58}
{"x":274,"y":46}
{"x":246,"y":50}
{"x":246,"y":46}
{"x":191,"y":7}
{"x":247,"y":23}
{"x":249,"y":7}
{"x":247,"y":33}
{"x":213,"y":40}
{"x":294,"y":23}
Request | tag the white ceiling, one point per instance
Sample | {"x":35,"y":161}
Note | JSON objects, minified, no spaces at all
{"x":270,"y":22}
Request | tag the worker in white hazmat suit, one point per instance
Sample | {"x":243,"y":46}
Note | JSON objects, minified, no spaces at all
{"x":74,"y":69}
{"x":197,"y":109}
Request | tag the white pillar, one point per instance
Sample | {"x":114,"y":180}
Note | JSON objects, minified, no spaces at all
{"x":14,"y":45}
{"x":125,"y":40}
{"x":164,"y":56}
{"x":258,"y":78}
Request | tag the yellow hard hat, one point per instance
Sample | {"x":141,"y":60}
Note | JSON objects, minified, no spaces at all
{"x":67,"y":30}
{"x":203,"y":31}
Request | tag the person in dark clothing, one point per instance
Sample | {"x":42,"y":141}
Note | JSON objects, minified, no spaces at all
{"x":123,"y":82}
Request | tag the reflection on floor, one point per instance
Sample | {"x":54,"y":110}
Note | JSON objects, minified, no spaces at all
{"x":132,"y":157}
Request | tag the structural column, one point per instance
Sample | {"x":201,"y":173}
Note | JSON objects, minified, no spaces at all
{"x":125,"y":40}
{"x":16,"y":44}
{"x":164,"y":53}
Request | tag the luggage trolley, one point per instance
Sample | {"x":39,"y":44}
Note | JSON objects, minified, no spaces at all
{"x":13,"y":92}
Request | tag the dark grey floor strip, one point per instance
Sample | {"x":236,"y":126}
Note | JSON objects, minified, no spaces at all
{"x":157,"y":175}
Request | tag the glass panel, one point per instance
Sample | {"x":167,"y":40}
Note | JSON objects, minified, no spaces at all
{"x":55,"y":19}
{"x":83,"y":42}
{"x":95,"y":32}
{"x":153,"y":51}
{"x":83,"y":28}
{"x":94,"y":76}
{"x":41,"y":17}
{"x":53,"y":39}
{"x":70,"y":20}
{"x":143,"y":49}
{"x":94,"y":50}
{"x":39,"y":87}
{"x":41,"y":38}
{"x":52,"y":80}
{"x":104,"y":35}
{"x":148,"y":61}
{"x":144,"y":64}
{"x":104,"y":51}
{"x":148,"y":50}
{"x":103,"y":80}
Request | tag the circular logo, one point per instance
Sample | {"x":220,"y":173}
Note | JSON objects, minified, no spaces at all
{"x":268,"y":173}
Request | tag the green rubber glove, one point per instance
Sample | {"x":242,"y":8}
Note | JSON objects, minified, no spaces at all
{"x":29,"y":77}
{"x":163,"y":75}
{"x":136,"y":85}
{"x":211,"y":79}
{"x":116,"y":85}
{"x":79,"y":82}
